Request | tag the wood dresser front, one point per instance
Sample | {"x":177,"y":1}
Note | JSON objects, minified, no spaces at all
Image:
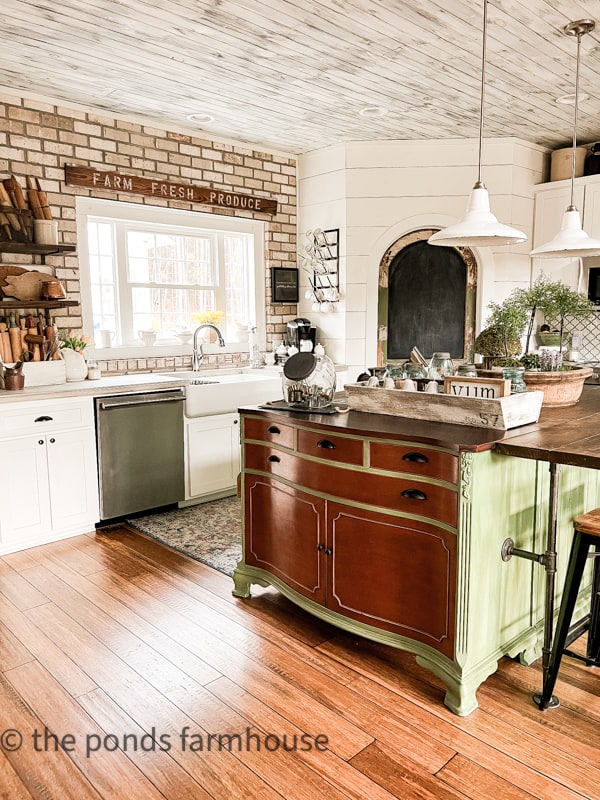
{"x":395,"y":539}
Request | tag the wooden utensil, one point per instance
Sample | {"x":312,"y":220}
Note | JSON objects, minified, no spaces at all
{"x":34,"y":200}
{"x":5,"y":340}
{"x":32,"y":331}
{"x":15,"y":338}
{"x":15,"y":192}
{"x":23,"y":333}
{"x":43,"y":198}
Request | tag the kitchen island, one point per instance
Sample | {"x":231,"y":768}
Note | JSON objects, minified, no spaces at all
{"x":393,"y":528}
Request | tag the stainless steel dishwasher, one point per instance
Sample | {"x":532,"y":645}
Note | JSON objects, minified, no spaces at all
{"x":140,"y":451}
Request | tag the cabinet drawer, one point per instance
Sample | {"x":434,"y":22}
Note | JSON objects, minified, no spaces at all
{"x":26,"y":417}
{"x":268,"y":431}
{"x":333,"y":448}
{"x":409,"y":458}
{"x":398,"y":493}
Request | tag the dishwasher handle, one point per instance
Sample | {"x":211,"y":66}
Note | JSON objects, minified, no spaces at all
{"x":141,"y":399}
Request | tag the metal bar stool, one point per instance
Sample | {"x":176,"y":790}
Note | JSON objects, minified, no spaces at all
{"x":586,"y":535}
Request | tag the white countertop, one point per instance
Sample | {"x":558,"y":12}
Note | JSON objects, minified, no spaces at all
{"x":112,"y":384}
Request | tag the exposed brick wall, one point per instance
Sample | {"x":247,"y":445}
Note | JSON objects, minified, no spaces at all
{"x":38,"y":139}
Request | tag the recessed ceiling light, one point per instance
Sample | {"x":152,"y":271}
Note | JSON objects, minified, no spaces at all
{"x":569,"y":99}
{"x":201,"y":119}
{"x":373,"y":111}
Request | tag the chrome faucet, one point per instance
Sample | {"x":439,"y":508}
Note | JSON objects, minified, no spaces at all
{"x":197,"y":352}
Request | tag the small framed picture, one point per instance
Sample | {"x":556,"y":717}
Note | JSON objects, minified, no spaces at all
{"x":284,"y":285}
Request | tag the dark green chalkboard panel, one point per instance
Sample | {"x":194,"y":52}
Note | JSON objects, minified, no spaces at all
{"x":426,"y":301}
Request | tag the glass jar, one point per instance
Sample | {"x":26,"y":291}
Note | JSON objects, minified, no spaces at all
{"x":515,"y":375}
{"x":309,"y":380}
{"x":466,"y":370}
{"x":441,"y":365}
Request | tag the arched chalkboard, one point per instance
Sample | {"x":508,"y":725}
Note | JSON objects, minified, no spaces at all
{"x":426,"y":301}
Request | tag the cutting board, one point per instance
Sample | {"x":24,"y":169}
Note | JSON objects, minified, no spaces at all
{"x":27,"y":286}
{"x":5,"y":271}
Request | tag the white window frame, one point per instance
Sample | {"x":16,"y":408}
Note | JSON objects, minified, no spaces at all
{"x":87,"y":207}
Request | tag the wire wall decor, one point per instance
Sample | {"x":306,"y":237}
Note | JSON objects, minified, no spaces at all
{"x":320,"y":260}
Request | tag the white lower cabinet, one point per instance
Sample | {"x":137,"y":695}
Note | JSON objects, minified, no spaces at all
{"x":212,"y":447}
{"x":49,"y":484}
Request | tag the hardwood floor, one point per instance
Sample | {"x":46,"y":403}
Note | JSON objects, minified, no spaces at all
{"x":120,"y":658}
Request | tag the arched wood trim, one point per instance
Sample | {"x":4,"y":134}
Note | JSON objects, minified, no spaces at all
{"x":470,"y":261}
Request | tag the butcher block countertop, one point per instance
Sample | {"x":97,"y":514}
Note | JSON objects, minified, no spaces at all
{"x":563,"y":435}
{"x":114,"y":384}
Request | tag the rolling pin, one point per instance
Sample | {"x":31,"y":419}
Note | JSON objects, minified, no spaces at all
{"x":15,"y":338}
{"x":5,"y":341}
{"x":34,"y":200}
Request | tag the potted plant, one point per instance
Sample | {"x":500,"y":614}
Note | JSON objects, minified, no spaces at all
{"x":72,"y":346}
{"x":500,"y":342}
{"x":562,"y":385}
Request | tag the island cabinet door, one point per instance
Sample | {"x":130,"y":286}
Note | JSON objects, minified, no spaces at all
{"x":392,"y":573}
{"x":285,"y":534}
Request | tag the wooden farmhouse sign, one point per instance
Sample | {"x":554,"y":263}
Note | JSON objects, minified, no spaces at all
{"x":114,"y":181}
{"x":477,"y":388}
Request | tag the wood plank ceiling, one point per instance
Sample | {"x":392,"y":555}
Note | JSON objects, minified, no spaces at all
{"x":294,"y":75}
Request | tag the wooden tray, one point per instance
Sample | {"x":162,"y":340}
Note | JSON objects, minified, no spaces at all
{"x":500,"y":414}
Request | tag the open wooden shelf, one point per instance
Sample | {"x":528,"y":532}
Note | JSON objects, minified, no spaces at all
{"x":37,"y":303}
{"x":30,"y":248}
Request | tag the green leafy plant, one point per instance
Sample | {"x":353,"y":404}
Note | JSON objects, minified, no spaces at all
{"x":555,"y":300}
{"x":509,"y":320}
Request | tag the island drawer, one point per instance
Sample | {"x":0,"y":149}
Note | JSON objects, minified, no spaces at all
{"x":418,"y":461}
{"x":333,"y":448}
{"x":265,"y":430}
{"x":400,"y":493}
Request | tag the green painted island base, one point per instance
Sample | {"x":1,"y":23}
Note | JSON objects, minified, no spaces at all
{"x":461,"y":684}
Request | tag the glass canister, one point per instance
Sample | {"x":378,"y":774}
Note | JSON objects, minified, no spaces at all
{"x":441,"y":365}
{"x":515,"y":375}
{"x":467,"y":370}
{"x":309,"y":380}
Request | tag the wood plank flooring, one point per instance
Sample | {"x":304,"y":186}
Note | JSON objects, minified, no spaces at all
{"x":122,"y":663}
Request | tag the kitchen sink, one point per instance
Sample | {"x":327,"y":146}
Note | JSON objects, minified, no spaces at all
{"x":224,"y":392}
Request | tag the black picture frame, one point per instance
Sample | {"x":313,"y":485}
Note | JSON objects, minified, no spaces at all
{"x":284,"y":284}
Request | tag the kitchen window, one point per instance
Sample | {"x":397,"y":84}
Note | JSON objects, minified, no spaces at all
{"x":155,"y":269}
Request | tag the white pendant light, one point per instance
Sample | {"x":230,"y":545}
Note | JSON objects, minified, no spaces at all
{"x":572,"y":241}
{"x":479,"y":227}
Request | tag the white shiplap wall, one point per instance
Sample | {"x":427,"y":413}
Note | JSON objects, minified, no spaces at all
{"x":376,"y":192}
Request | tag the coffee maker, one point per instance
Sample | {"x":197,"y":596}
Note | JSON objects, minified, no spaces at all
{"x":301,"y":330}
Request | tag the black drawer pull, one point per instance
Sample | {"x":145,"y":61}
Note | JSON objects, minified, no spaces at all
{"x":320,"y":547}
{"x":419,"y":458}
{"x":328,"y":551}
{"x":326,"y":444}
{"x":274,"y":459}
{"x":40,"y":441}
{"x":43,"y":418}
{"x":273,"y":429}
{"x":414,"y":494}
{"x":52,"y":441}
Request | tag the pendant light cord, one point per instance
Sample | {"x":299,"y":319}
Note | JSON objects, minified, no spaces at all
{"x":482,"y":92}
{"x":575,"y":121}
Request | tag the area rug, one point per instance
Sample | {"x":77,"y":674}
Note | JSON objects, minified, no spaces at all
{"x":209,"y":532}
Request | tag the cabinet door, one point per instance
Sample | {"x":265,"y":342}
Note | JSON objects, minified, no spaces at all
{"x":213,"y":454}
{"x":393,"y":573}
{"x":24,"y":494}
{"x":73,"y":479}
{"x":285,"y":534}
